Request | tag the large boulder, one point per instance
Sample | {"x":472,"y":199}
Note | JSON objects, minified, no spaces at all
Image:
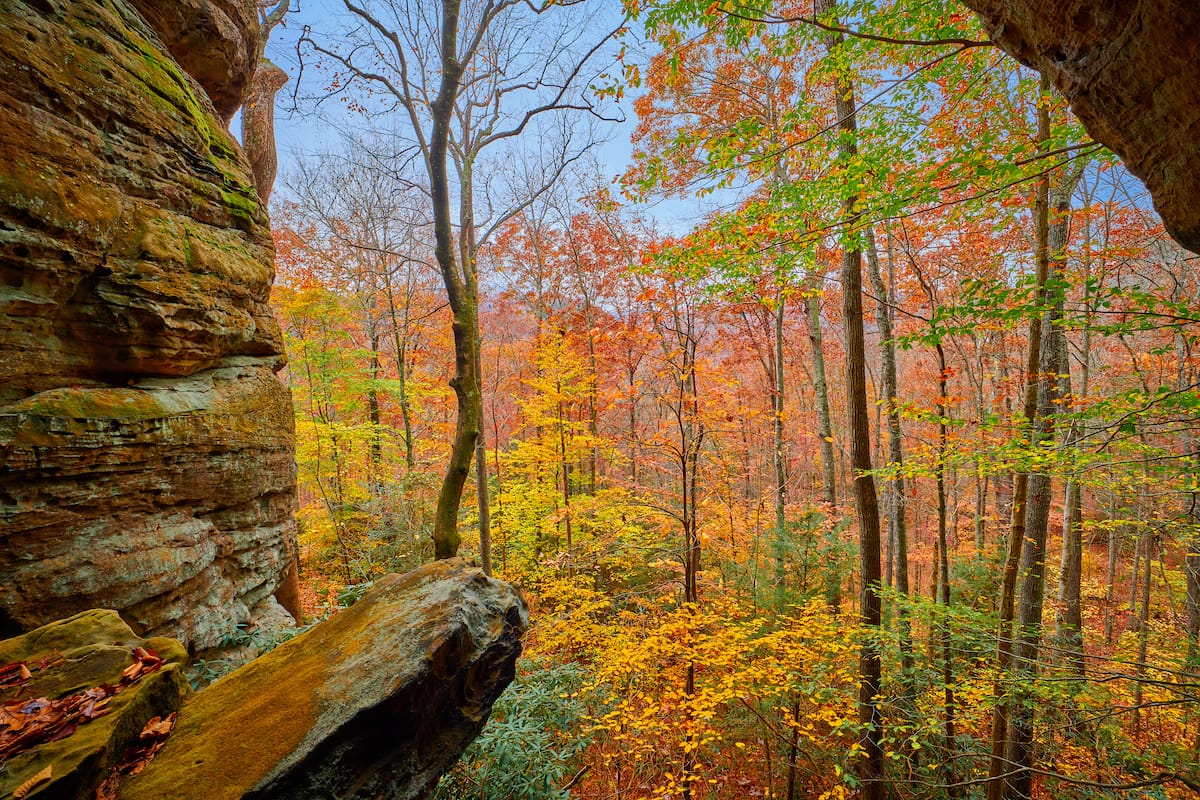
{"x":378,"y":701}
{"x":145,"y":442}
{"x":1131,"y":72}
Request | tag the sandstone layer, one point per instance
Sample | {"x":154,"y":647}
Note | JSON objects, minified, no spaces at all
{"x":215,"y":41}
{"x":378,"y":701}
{"x":145,"y":442}
{"x":1131,"y":72}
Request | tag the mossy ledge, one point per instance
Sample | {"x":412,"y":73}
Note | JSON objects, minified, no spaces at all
{"x":94,"y":647}
{"x":377,"y":701}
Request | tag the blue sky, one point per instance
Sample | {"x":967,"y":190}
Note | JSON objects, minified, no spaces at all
{"x":304,"y":129}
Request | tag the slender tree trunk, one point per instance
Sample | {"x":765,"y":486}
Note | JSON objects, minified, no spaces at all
{"x":1069,"y":621}
{"x":981,"y":485}
{"x":777,"y":396}
{"x":564,"y":468}
{"x":997,"y":787}
{"x":463,"y":302}
{"x":1191,"y":557}
{"x":1037,"y":513}
{"x":1110,"y":594}
{"x":1068,"y":628}
{"x":1191,"y":568}
{"x":821,"y":389}
{"x":953,"y":790}
{"x":870,"y":765}
{"x":691,"y":436}
{"x":400,"y":344}
{"x":1143,"y":630}
{"x":633,"y":433}
{"x":898,"y":530}
{"x":375,"y":450}
{"x":1135,"y":572}
{"x":793,"y":751}
{"x":593,"y":459}
{"x":468,"y":254}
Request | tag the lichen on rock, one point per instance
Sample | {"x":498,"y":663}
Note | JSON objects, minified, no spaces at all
{"x":378,"y":701}
{"x":146,"y":446}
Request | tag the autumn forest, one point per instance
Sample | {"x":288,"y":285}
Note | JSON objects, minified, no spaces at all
{"x":842,"y":437}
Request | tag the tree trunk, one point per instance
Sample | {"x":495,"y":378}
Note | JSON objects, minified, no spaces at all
{"x":463,"y":302}
{"x":777,"y":390}
{"x":1191,"y":568}
{"x":1037,"y":514}
{"x":944,"y":582}
{"x":1143,"y":630}
{"x":870,"y":765}
{"x":821,"y":389}
{"x":897,"y":524}
{"x":1068,"y":627}
{"x":258,"y":125}
{"x":400,"y":344}
{"x":375,"y":457}
{"x":997,"y":766}
{"x":468,"y":252}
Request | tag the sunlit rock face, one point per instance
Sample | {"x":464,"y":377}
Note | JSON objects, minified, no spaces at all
{"x":215,"y":41}
{"x":377,"y":701}
{"x":1131,"y":71}
{"x":146,"y":444}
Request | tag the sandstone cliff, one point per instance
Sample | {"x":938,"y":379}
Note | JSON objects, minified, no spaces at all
{"x":145,"y":442}
{"x":1131,"y":71}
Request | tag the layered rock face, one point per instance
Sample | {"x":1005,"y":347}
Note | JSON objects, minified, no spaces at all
{"x":1131,"y":72}
{"x":145,"y":442}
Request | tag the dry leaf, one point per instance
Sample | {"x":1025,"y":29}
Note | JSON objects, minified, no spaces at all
{"x":37,"y":780}
{"x":108,"y":789}
{"x":158,"y":726}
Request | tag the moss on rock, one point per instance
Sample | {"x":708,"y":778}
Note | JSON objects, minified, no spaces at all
{"x":87,"y":650}
{"x":377,"y":701}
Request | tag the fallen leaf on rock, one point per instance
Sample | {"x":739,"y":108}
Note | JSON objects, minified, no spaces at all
{"x":34,"y":782}
{"x":158,"y":727}
{"x":152,"y":739}
{"x":18,"y":673}
{"x":28,"y":723}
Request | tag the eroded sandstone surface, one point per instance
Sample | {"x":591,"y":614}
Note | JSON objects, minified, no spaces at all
{"x":1131,"y":72}
{"x":377,"y":701}
{"x":145,"y":441}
